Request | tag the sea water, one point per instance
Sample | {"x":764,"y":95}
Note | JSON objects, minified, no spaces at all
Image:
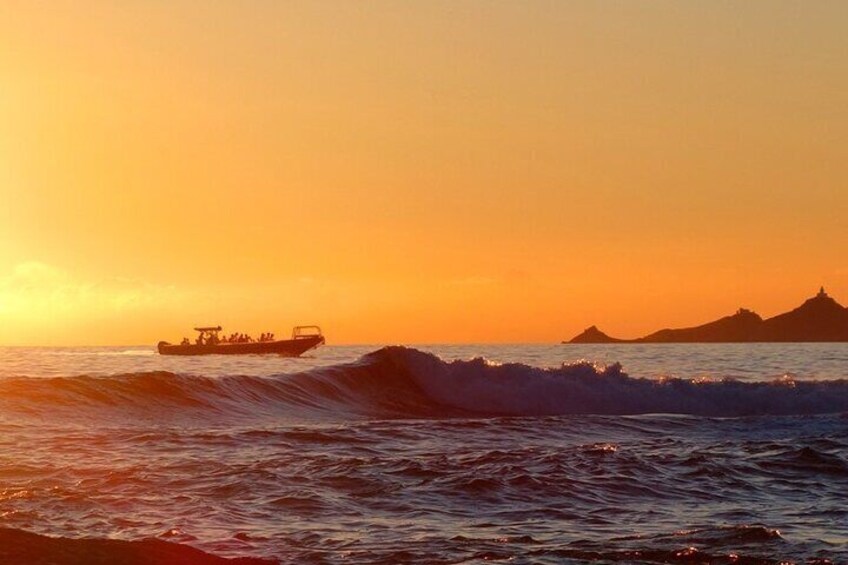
{"x":436,"y":454}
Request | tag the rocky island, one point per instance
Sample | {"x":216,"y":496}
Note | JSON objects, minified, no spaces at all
{"x":819,"y":319}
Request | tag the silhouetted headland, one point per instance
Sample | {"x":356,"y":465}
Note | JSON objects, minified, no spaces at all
{"x":818,"y":319}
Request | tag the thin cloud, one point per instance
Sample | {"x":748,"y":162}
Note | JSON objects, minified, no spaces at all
{"x":34,"y":289}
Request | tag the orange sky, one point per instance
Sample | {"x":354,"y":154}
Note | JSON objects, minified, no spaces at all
{"x":416,"y":171}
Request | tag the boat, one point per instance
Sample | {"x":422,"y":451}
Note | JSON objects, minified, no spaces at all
{"x":302,"y":340}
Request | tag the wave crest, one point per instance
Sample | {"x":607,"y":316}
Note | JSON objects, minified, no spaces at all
{"x":400,"y":382}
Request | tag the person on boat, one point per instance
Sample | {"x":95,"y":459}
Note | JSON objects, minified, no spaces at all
{"x":271,"y":336}
{"x":199,"y":340}
{"x":185,"y":341}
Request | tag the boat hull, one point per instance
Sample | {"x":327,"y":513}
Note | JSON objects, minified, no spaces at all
{"x":285,"y":347}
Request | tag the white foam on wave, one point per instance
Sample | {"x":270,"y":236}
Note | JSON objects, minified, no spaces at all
{"x":583,"y":388}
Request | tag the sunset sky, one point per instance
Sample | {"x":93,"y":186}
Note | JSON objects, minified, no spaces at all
{"x":408,"y":172}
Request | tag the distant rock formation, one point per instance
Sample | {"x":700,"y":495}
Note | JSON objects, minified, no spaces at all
{"x":593,"y":335}
{"x":820,"y":318}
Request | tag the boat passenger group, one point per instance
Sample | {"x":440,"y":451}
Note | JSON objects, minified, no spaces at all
{"x":213,"y":339}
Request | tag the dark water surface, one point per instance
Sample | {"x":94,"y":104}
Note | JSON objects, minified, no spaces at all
{"x":690,"y":454}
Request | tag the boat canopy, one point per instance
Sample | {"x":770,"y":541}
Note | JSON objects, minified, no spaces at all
{"x":209,"y":329}
{"x":303,"y":332}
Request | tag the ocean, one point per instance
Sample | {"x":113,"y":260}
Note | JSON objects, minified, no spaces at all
{"x":731,"y":453}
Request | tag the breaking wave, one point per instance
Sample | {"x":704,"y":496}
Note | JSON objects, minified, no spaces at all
{"x":399,"y":382}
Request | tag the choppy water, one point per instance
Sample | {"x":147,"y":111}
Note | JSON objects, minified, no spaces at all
{"x":442,"y":454}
